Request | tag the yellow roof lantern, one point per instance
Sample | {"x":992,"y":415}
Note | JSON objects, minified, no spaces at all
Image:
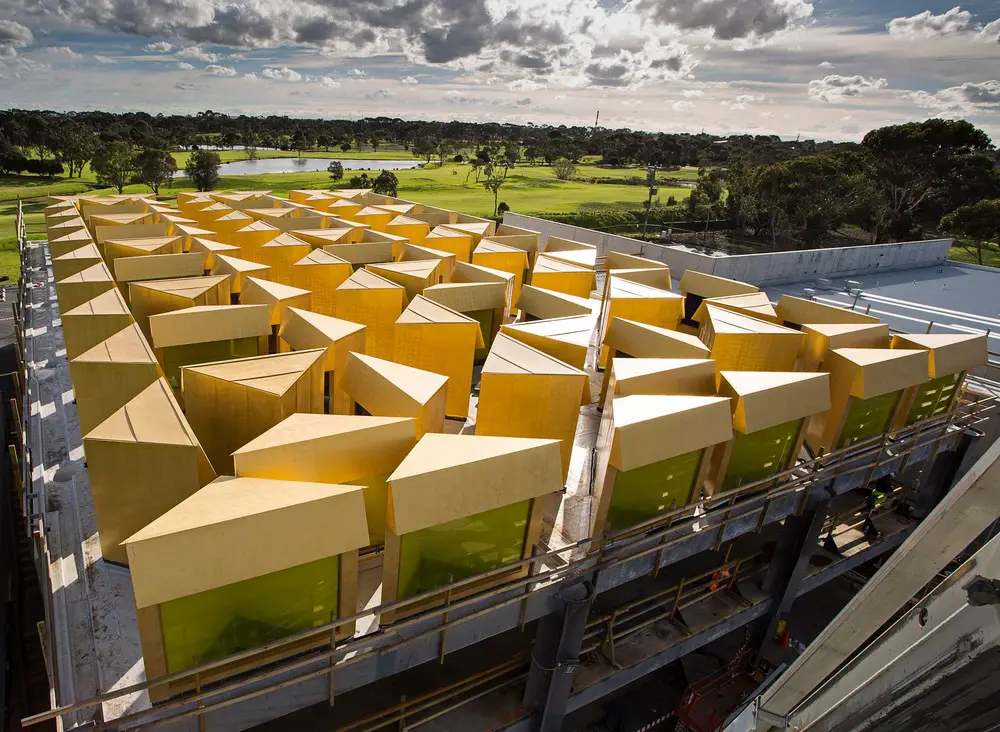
{"x":318,"y":238}
{"x":500,"y":256}
{"x":664,"y":376}
{"x":235,"y":529}
{"x":115,"y":248}
{"x":94,"y":321}
{"x":798,"y":311}
{"x":414,"y":230}
{"x":477,"y":229}
{"x":821,"y":338}
{"x":755,"y":304}
{"x":108,"y":375}
{"x":741,"y":343}
{"x":566,"y":339}
{"x":550,"y":273}
{"x":527,"y":393}
{"x":638,"y":302}
{"x":206,"y":323}
{"x":150,"y":297}
{"x":432,"y":337}
{"x":276,"y":296}
{"x":465,"y":272}
{"x":872,"y":372}
{"x":642,"y":340}
{"x":763,"y":399}
{"x":60,"y":243}
{"x":949,"y":353}
{"x":304,"y":330}
{"x":142,"y":461}
{"x":467,"y":297}
{"x":208,"y":249}
{"x":546,"y":304}
{"x":281,"y":254}
{"x":157,"y":267}
{"x":413,"y":252}
{"x":387,"y":389}
{"x":376,"y":303}
{"x":333,"y":448}
{"x":620,"y":260}
{"x":84,"y":285}
{"x":574,"y":252}
{"x":231,"y":402}
{"x":321,"y":272}
{"x":448,"y":240}
{"x":706,"y":285}
{"x":448,"y":477}
{"x":641,"y":421}
{"x":414,"y":275}
{"x":75,"y":261}
{"x":238,"y":270}
{"x":371,"y":248}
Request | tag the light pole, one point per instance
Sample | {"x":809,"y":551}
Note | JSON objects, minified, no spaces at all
{"x":651,"y":179}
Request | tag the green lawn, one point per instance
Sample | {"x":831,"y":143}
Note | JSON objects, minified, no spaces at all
{"x":529,"y":189}
{"x":991,"y":255}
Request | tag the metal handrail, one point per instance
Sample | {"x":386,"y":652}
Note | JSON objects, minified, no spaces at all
{"x":614,"y":549}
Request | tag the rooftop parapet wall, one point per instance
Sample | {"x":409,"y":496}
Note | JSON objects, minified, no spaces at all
{"x":770,"y":268}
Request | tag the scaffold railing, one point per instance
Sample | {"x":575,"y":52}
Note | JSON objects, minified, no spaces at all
{"x":580,"y":560}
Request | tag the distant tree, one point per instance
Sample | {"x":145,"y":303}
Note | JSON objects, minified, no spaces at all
{"x":76,"y":146}
{"x":443,"y":148}
{"x":250,"y":141}
{"x":975,"y":225}
{"x":336,"y":170}
{"x":12,"y":160}
{"x":202,"y":168}
{"x":301,"y":141}
{"x":345,"y":144}
{"x":360,"y":181}
{"x":374,"y":141}
{"x":424,"y":148}
{"x":229,"y":138}
{"x":564,"y":169}
{"x":323,"y":140}
{"x":48,"y":167}
{"x":154,"y":168}
{"x":114,"y":163}
{"x":502,"y":208}
{"x":386,"y":184}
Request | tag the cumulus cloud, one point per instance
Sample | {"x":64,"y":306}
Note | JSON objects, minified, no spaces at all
{"x":834,"y":87}
{"x":63,"y":52}
{"x":730,"y":19}
{"x":990,"y":32}
{"x":251,"y":76}
{"x":928,"y":25}
{"x":458,"y":97}
{"x":357,"y":73}
{"x":158,"y":47}
{"x":216,"y":70}
{"x":966,"y":99}
{"x":282,"y":74}
{"x":329,"y":82}
{"x":185,"y":66}
{"x":693,"y":93}
{"x":30,"y":66}
{"x":525,"y":85}
{"x":681,"y":105}
{"x":104,"y":59}
{"x":741,"y":101}
{"x":379,"y":94}
{"x":199,"y":54}
{"x":557,"y":42}
{"x":409,"y":81}
{"x":825,"y":65}
{"x":13,"y":36}
{"x":185,"y":86}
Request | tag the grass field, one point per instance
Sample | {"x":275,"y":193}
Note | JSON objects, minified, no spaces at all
{"x":991,"y":255}
{"x":529,"y":189}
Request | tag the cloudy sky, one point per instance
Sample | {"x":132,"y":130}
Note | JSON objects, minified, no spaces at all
{"x":828,"y":69}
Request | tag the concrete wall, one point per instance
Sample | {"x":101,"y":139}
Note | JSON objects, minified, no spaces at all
{"x":771,"y":268}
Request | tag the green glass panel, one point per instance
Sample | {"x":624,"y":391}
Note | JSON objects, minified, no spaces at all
{"x":439,"y":555}
{"x":934,"y":397}
{"x":868,"y":418}
{"x":645,"y":492}
{"x":485,"y":319}
{"x":760,"y":454}
{"x":217,"y":623}
{"x":174,"y":357}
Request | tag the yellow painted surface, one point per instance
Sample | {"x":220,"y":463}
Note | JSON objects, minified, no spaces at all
{"x":142,"y":461}
{"x":948,"y":353}
{"x":663,"y":376}
{"x":281,"y":254}
{"x":503,"y":258}
{"x":566,"y":339}
{"x":277,"y":297}
{"x":208,"y":249}
{"x":321,"y":273}
{"x":75,"y":261}
{"x":327,"y":448}
{"x":546,"y":304}
{"x":798,"y":311}
{"x":741,"y":343}
{"x":447,"y":240}
{"x":821,"y":338}
{"x":231,"y":402}
{"x":555,"y":274}
{"x":763,"y":399}
{"x":374,"y":302}
{"x":94,"y":321}
{"x":237,"y":270}
{"x":387,"y":389}
{"x":527,"y":393}
{"x":85,"y":285}
{"x":152,"y":297}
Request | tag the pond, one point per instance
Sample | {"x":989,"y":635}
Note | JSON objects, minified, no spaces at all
{"x":309,"y":165}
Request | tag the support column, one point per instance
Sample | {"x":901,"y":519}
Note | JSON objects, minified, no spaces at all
{"x":799,"y":538}
{"x":556,"y":654}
